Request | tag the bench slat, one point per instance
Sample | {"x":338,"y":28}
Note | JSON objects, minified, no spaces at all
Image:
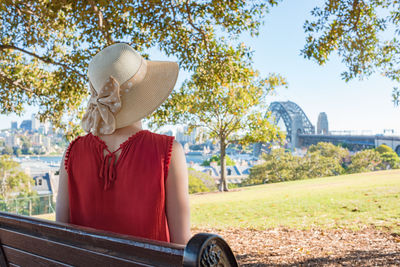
{"x":140,"y":250}
{"x":58,"y":251}
{"x":19,"y":257}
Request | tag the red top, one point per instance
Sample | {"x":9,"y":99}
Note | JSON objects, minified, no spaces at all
{"x":124,"y":195}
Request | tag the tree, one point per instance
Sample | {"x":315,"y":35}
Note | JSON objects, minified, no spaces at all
{"x":279,"y":166}
{"x":321,"y":160}
{"x":329,"y":150}
{"x":227,"y":98}
{"x":315,"y":164}
{"x":7,"y":151}
{"x":365,"y":161}
{"x":17,"y":151}
{"x":384,"y":149}
{"x":217,"y":159}
{"x":45,"y":46}
{"x":13,"y":181}
{"x":364,"y":33}
{"x":390,"y":160}
{"x":26,"y":145}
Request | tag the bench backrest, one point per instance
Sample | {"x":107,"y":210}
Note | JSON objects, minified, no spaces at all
{"x":27,"y":241}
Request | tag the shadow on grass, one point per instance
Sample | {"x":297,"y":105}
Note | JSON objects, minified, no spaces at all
{"x":354,"y":258}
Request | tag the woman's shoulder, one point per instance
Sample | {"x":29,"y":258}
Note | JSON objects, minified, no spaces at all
{"x":161,"y":137}
{"x":84,"y":140}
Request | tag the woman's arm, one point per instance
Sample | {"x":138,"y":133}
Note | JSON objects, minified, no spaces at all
{"x":62,"y":204}
{"x":177,"y":197}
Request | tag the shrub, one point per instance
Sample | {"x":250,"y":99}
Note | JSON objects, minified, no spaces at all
{"x":329,"y":150}
{"x":200,"y":182}
{"x":216,"y":158}
{"x":390,"y":160}
{"x":323,"y":159}
{"x":364,"y":161}
{"x":196,"y":185}
{"x":384,"y":149}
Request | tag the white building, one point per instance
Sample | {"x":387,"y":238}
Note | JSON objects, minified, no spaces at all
{"x":47,"y":142}
{"x":12,"y":141}
{"x":36,"y":139}
{"x":182,"y":135}
{"x":35,"y":123}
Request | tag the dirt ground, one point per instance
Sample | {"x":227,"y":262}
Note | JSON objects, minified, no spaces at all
{"x":290,"y":247}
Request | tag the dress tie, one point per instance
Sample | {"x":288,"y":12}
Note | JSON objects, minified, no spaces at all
{"x":107,"y":171}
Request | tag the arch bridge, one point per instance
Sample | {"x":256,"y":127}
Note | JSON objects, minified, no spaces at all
{"x":301,"y":132}
{"x":294,"y":118}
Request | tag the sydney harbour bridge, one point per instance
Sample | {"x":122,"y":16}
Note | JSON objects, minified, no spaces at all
{"x":301,"y":132}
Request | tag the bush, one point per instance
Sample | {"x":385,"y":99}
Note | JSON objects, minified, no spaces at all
{"x":384,"y":149}
{"x":329,"y":150}
{"x":365,"y":161}
{"x":200,"y":182}
{"x":390,"y":160}
{"x":323,"y":159}
{"x":216,"y":158}
{"x":196,"y":185}
{"x":279,"y":166}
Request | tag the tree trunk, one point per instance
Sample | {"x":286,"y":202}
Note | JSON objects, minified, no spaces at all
{"x":222,"y":184}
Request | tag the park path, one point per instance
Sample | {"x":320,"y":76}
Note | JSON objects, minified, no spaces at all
{"x":316,"y":247}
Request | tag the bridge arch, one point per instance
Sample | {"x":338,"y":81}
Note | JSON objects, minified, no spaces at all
{"x":292,"y":115}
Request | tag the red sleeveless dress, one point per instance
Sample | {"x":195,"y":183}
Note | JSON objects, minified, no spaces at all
{"x":124,"y":195}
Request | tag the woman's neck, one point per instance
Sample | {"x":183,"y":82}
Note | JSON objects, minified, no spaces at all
{"x":134,"y":127}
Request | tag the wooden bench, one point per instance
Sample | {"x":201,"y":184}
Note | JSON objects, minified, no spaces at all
{"x":27,"y":241}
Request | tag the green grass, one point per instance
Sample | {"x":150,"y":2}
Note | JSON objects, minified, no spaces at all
{"x":347,"y":201}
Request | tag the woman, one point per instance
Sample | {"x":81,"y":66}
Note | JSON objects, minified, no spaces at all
{"x":119,"y":177}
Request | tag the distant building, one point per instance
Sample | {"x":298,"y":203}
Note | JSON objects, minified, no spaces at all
{"x":14,"y":125}
{"x":322,"y":124}
{"x":35,"y":123}
{"x":47,"y":142}
{"x":42,"y":184}
{"x":234,"y":174}
{"x":12,"y":141}
{"x":37,"y":139}
{"x":183,"y":137}
{"x":45,"y":128}
{"x":46,"y":184}
{"x":26,"y":125}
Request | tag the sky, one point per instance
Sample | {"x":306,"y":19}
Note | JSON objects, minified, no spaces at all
{"x":363,"y":106}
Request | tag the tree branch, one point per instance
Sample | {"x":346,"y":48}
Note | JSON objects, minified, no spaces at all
{"x":103,"y":23}
{"x":358,"y":14}
{"x":44,"y":59}
{"x":3,"y":76}
{"x":191,"y":23}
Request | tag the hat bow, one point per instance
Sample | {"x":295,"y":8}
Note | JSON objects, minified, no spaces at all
{"x":102,"y":106}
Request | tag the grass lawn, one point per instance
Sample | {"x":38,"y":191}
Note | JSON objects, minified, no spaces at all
{"x":347,"y":201}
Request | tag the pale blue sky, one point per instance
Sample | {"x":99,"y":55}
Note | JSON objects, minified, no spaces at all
{"x":356,"y":105}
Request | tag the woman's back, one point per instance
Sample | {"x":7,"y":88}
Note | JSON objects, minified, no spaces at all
{"x":118,"y":177}
{"x":121,"y":191}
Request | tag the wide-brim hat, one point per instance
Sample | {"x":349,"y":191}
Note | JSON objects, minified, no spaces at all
{"x":125,"y":88}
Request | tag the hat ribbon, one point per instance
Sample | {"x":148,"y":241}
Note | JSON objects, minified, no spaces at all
{"x":99,"y":117}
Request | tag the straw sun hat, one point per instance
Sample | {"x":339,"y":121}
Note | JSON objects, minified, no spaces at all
{"x":125,"y":88}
